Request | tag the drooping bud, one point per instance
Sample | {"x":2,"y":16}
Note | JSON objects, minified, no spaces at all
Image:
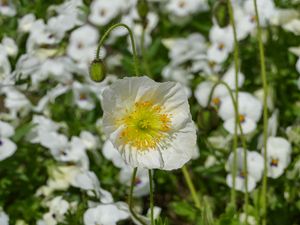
{"x":221,"y":13}
{"x":207,"y":119}
{"x":97,"y":70}
{"x":143,"y":9}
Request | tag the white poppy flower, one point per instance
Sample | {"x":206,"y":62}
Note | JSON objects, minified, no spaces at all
{"x":112,"y":154}
{"x":250,"y":109}
{"x":102,"y":12}
{"x":4,"y":219}
{"x":149,"y":123}
{"x":255,"y":166}
{"x":279,"y":156}
{"x":141,"y":184}
{"x":106,"y":214}
{"x":7,"y":147}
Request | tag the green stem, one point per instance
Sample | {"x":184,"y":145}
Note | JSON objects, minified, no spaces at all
{"x":130,"y":199}
{"x":265,"y":115}
{"x":135,"y":58}
{"x":236,"y":65}
{"x":234,"y":170}
{"x":191,"y":187}
{"x":151,"y":197}
{"x":145,"y":61}
{"x":237,"y":119}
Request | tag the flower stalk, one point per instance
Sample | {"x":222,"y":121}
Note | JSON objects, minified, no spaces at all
{"x":265,"y":114}
{"x":191,"y":187}
{"x":134,"y":52}
{"x":151,"y":196}
{"x":237,"y":117}
{"x":130,"y":198}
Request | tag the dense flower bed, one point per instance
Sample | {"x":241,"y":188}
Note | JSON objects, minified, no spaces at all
{"x":183,"y":112}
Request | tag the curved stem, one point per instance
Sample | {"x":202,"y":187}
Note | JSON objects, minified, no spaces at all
{"x":135,"y":58}
{"x":244,"y":145}
{"x":130,"y":202}
{"x":265,"y":115}
{"x":191,"y":187}
{"x":151,"y":197}
{"x":237,"y":119}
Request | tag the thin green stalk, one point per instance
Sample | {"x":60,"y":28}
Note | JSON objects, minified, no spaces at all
{"x":135,"y":58}
{"x":130,"y":198}
{"x":145,"y":61}
{"x":265,"y":115}
{"x":244,"y":144}
{"x":151,"y":197}
{"x":237,"y":119}
{"x":191,"y":187}
{"x":236,"y":65}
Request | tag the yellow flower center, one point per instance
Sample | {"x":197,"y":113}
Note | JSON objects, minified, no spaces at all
{"x":274,"y":162}
{"x":145,"y":125}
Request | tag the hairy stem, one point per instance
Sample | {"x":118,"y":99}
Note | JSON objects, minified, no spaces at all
{"x":144,"y":58}
{"x":191,"y":186}
{"x":135,"y":58}
{"x":265,"y":115}
{"x":151,"y":197}
{"x":237,"y":118}
{"x":130,"y":199}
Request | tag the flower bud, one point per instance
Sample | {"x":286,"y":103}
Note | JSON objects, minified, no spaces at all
{"x":207,"y":120}
{"x":221,"y":14}
{"x":143,"y":9}
{"x":97,"y":70}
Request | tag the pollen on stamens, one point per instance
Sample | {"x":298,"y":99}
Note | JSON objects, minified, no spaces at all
{"x":145,"y":125}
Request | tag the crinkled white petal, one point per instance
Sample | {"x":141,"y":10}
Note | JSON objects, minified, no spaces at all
{"x":179,"y":151}
{"x":111,"y":153}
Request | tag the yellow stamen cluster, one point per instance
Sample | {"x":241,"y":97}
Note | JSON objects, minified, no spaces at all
{"x":274,"y":162}
{"x":145,"y":125}
{"x":242,"y":118}
{"x":216,"y":101}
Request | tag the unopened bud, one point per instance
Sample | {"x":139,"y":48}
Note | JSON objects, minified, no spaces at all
{"x":97,"y":70}
{"x":221,"y":13}
{"x":207,"y":119}
{"x":143,"y":9}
